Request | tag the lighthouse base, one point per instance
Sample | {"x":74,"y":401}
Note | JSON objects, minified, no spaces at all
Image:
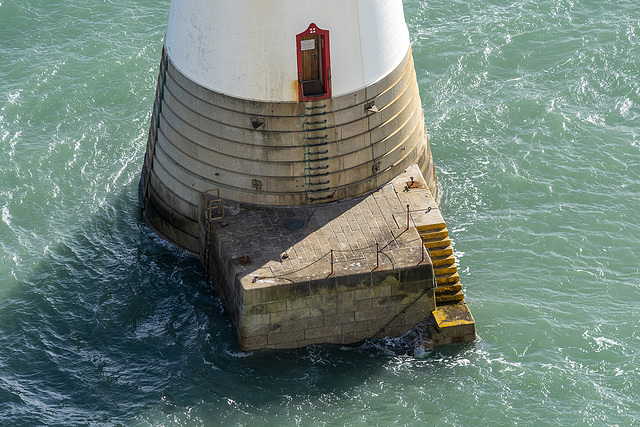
{"x":336,"y":273}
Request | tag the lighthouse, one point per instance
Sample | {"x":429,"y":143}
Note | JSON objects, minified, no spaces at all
{"x":287,"y":145}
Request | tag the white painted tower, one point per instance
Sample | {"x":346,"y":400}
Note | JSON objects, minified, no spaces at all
{"x":279,"y":103}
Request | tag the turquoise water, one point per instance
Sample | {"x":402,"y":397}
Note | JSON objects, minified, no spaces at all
{"x":533,"y":112}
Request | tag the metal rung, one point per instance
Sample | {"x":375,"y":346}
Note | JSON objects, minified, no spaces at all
{"x":315,"y":107}
{"x":317,"y":145}
{"x":324,"y":113}
{"x":316,"y":123}
{"x":319,"y":190}
{"x":313,"y":199}
{"x":318,"y":174}
{"x":317,"y":153}
{"x":318,"y":168}
{"x":318,"y":160}
{"x":316,"y":129}
{"x":319,"y":183}
{"x":313,"y":138}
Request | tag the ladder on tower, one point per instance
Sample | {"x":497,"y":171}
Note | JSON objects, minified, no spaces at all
{"x":316,"y":152}
{"x":213,"y":211}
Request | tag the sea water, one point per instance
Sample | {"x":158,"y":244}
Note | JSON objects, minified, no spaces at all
{"x":533,"y":114}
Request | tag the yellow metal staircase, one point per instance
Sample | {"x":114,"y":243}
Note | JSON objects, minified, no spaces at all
{"x":451,"y":321}
{"x":435,"y":237}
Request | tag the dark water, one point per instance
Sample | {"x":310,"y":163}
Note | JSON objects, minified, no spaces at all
{"x":532,"y":109}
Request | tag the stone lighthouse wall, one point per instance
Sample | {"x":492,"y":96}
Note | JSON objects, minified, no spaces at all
{"x":275,"y":153}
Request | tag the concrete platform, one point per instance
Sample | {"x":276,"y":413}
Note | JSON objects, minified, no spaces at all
{"x":355,"y":269}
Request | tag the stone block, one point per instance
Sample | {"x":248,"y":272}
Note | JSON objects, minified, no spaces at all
{"x":294,"y":291}
{"x":330,"y":299}
{"x":289,"y":337}
{"x":329,"y":306}
{"x":410,"y":288}
{"x":316,"y":312}
{"x":353,"y":280}
{"x":439,"y":339}
{"x":266,"y":308}
{"x":322,"y":332}
{"x":345,"y":301}
{"x":381,"y":291}
{"x":362,"y":304}
{"x":368,"y":333}
{"x":339,"y":319}
{"x":356,"y":327}
{"x":316,"y":320}
{"x":306,"y":343}
{"x":256,"y":324}
{"x":262,"y":295}
{"x":335,"y":339}
{"x":286,"y":317}
{"x":414,"y":317}
{"x":390,"y":301}
{"x":285,"y":345}
{"x":350,"y":338}
{"x":380,"y":314}
{"x":365,"y":293}
{"x":304,"y":302}
{"x":396,"y":328}
{"x":252,"y":342}
{"x":323,"y":286}
{"x":351,"y":162}
{"x":384,"y":277}
{"x":348,"y":100}
{"x":355,"y":127}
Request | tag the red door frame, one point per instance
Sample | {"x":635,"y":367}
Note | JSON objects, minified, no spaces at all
{"x":326,"y":61}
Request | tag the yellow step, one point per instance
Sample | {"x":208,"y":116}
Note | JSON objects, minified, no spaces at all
{"x":435,"y":233}
{"x":426,"y":227}
{"x":441,"y":251}
{"x":449,"y":288}
{"x":436,"y":243}
{"x":447,"y":278}
{"x":449,"y":298}
{"x":442,"y":259}
{"x":453,"y":323}
{"x":444,"y":269}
